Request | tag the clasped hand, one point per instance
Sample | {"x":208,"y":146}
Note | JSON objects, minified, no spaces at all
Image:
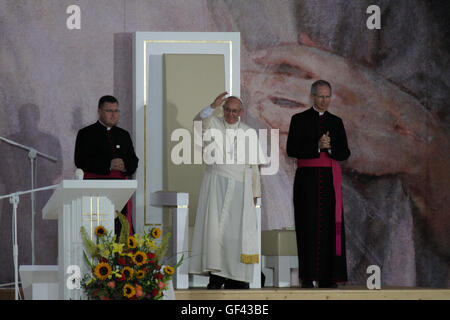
{"x":324,"y":141}
{"x":117,"y":164}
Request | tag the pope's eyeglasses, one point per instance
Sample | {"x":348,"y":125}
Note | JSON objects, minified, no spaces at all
{"x":232,"y":111}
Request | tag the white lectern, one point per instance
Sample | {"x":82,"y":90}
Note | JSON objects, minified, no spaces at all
{"x":87,"y":203}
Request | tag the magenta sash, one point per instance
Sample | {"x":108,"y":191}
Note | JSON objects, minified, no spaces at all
{"x":113,"y":175}
{"x":326,"y":161}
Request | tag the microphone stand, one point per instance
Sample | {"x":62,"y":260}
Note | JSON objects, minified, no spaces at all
{"x":32,"y":155}
{"x":14,"y":200}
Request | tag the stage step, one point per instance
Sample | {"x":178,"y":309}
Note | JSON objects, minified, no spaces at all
{"x":342,"y":293}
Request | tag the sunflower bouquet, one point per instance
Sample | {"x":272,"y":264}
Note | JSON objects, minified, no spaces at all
{"x":128,"y":267}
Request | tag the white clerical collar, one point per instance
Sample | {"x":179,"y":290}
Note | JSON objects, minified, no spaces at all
{"x":320,"y":112}
{"x":107,"y":128}
{"x":232,"y":125}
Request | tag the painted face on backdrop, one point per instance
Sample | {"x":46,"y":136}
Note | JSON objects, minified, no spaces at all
{"x":108,"y":114}
{"x":279,"y":84}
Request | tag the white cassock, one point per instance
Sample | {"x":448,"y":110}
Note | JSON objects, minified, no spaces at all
{"x":225,"y":240}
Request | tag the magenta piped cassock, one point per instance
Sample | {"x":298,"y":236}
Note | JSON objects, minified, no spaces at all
{"x":326,"y":161}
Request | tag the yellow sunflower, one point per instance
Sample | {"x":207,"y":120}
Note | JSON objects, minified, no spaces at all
{"x":131,"y":242}
{"x":102,"y":270}
{"x":128,"y":291}
{"x":139,"y":258}
{"x":100,"y":231}
{"x":156,"y":233}
{"x":140,"y":274}
{"x":169,"y":270}
{"x":127,"y":273}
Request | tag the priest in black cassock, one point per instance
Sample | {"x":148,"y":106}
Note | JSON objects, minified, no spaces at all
{"x":105,"y":151}
{"x":317,"y":139}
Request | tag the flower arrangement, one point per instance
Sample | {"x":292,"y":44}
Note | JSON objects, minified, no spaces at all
{"x":126,"y":268}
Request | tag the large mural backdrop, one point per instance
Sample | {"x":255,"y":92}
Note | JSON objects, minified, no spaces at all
{"x":390,"y":87}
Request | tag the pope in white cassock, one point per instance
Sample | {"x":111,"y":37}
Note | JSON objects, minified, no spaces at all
{"x":224,"y":243}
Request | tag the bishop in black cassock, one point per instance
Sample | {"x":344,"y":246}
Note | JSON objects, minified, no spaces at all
{"x":317,"y":137}
{"x":105,"y":151}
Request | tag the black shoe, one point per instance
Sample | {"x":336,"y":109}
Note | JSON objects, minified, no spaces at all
{"x":235,"y":284}
{"x":328,"y":284}
{"x":307,"y":284}
{"x":214,"y":286}
{"x":215,"y":282}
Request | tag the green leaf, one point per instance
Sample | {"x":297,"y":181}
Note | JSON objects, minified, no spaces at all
{"x":125,"y":231}
{"x":89,"y":244}
{"x":91,"y":266}
{"x":161,"y":251}
{"x":179,"y":262}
